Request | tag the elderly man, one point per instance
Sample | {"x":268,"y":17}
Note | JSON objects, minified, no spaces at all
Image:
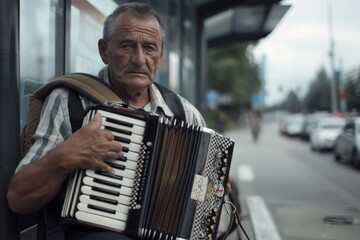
{"x":132,"y":49}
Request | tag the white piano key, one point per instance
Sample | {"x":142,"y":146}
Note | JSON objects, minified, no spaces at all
{"x":138,"y":122}
{"x":118,"y":207}
{"x":125,"y":173}
{"x":124,"y":182}
{"x":133,"y":147}
{"x":135,"y":129}
{"x":96,"y":217}
{"x":122,"y":199}
{"x":129,"y":164}
{"x":123,"y":190}
{"x":78,"y":176}
{"x":133,"y":156}
{"x":133,"y":138}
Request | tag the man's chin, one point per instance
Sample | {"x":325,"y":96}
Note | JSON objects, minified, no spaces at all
{"x":139,"y":82}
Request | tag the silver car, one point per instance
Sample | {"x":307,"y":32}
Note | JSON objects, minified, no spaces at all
{"x":347,"y":144}
{"x":326,"y":131}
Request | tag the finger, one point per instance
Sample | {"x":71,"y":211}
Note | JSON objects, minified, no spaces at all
{"x":228,"y":188}
{"x":108,"y":135}
{"x":115,"y":147}
{"x":102,"y":166}
{"x":95,"y":122}
{"x":114,"y":155}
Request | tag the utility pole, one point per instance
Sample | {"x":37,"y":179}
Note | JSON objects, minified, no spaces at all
{"x":333,"y":78}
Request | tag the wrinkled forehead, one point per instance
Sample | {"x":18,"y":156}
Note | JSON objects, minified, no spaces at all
{"x":128,"y":23}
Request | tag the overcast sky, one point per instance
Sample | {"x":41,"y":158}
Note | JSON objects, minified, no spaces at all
{"x":299,"y":46}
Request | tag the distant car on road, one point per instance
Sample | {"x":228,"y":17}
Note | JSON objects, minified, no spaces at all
{"x":310,"y":122}
{"x":347,"y":144}
{"x":292,"y":125}
{"x":323,"y":135}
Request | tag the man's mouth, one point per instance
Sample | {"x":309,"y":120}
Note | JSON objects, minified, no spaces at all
{"x":133,"y":72}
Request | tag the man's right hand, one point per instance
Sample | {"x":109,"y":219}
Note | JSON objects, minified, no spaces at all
{"x":37,"y":183}
{"x":89,"y":147}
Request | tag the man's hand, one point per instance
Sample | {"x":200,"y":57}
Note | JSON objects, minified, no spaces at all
{"x":228,"y":186}
{"x":89,"y":147}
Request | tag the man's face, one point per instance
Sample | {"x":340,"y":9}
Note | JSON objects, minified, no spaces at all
{"x":134,"y":52}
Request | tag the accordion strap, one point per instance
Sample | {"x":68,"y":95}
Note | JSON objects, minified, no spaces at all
{"x":234,"y":223}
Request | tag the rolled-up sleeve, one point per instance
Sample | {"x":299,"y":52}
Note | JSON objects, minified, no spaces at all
{"x":54,"y":127}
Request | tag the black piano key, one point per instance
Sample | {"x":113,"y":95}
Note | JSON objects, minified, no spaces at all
{"x":119,"y":122}
{"x":106,"y":191}
{"x":121,"y":139}
{"x":101,"y":209}
{"x":122,"y":158}
{"x":112,"y":184}
{"x":118,"y":130}
{"x":125,"y":149}
{"x":108,"y":174}
{"x":105,"y":200}
{"x":117,"y":166}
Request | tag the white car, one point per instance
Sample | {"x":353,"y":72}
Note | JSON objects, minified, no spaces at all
{"x":294,"y":124}
{"x":326,"y":131}
{"x":347,"y":145}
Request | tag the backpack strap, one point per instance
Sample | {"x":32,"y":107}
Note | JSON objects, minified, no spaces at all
{"x":173,"y":101}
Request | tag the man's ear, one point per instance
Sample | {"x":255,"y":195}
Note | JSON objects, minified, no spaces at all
{"x":102,"y":46}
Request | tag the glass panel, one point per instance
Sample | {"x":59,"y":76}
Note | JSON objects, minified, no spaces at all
{"x":87,"y":18}
{"x":37,"y":47}
{"x":163,"y":73}
{"x":188,"y":81}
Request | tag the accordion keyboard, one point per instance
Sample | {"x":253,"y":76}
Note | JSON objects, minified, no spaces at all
{"x":104,"y":197}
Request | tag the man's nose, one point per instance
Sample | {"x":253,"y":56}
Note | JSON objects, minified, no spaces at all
{"x":138,"y":56}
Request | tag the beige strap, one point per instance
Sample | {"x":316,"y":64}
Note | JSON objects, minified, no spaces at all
{"x":85,"y":85}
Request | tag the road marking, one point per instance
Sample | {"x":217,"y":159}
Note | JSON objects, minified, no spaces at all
{"x":246,"y":173}
{"x":261,"y":220}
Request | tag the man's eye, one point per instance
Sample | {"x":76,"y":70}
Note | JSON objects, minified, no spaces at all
{"x":150,"y":49}
{"x":126,"y":47}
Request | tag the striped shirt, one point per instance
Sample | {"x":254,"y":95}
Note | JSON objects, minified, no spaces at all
{"x":55,"y":127}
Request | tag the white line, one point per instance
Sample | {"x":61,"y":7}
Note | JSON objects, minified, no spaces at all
{"x":246,"y":173}
{"x":261,"y":220}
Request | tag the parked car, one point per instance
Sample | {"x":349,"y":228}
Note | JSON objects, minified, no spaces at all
{"x":310,"y":122}
{"x":326,"y":131}
{"x":347,"y":144}
{"x":292,"y":125}
{"x":281,"y":118}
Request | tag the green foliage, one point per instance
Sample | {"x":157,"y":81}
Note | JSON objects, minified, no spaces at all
{"x":292,"y":103}
{"x":319,"y":96}
{"x":352,"y":90}
{"x":232,"y":71}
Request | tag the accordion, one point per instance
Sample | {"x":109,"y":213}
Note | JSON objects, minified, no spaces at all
{"x":169,"y":183}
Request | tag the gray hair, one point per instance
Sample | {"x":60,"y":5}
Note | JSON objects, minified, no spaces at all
{"x":138,"y":10}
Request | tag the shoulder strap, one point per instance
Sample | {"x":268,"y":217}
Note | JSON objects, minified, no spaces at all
{"x":173,"y":101}
{"x":87,"y":85}
{"x":76,"y":110}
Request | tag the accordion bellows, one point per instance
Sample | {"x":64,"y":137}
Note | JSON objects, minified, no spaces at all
{"x":169,"y":184}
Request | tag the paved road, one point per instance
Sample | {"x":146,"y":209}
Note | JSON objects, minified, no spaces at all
{"x":299,"y":187}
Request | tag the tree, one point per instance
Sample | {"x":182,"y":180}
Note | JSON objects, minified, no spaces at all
{"x":292,"y":103}
{"x":232,"y":71}
{"x":318,"y":97}
{"x":352,"y":90}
